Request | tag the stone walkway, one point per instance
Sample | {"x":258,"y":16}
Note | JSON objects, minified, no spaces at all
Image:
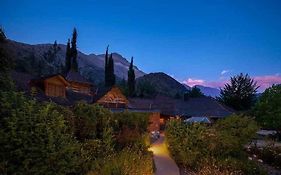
{"x":165,"y":165}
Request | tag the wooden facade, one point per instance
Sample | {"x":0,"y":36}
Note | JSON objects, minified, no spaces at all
{"x":55,"y":86}
{"x":84,"y":88}
{"x":52,"y":86}
{"x":113,"y":98}
{"x":78,"y":83}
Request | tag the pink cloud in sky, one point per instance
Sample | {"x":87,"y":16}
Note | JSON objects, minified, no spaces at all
{"x":267,"y":81}
{"x":262,"y":81}
{"x":192,"y":82}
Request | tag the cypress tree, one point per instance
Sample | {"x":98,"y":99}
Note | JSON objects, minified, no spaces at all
{"x":106,"y":68}
{"x":68,"y":57}
{"x":111,"y":71}
{"x":2,"y":35}
{"x":131,"y":79}
{"x":74,"y":63}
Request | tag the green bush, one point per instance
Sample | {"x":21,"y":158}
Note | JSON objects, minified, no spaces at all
{"x":44,"y":138}
{"x":90,"y":121}
{"x":34,"y":138}
{"x":195,"y":145}
{"x":131,"y":129}
{"x":268,"y":109}
{"x":127,"y":162}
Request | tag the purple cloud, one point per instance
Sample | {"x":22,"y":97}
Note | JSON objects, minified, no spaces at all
{"x":262,"y":81}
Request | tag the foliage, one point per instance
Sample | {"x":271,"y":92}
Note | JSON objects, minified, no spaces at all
{"x":146,"y":89}
{"x":34,"y":138}
{"x":131,"y":79}
{"x":6,"y":63}
{"x":193,"y":93}
{"x":68,"y":57}
{"x":38,"y":138}
{"x":196,"y":145}
{"x":123,"y":86}
{"x":111,"y":74}
{"x":130,"y":129}
{"x":91,"y":120}
{"x":240,"y":93}
{"x":106,"y":69}
{"x":74,"y":63}
{"x":2,"y":35}
{"x":233,"y":133}
{"x":270,"y":154}
{"x":109,"y":78}
{"x":126,"y":162}
{"x":268,"y":109}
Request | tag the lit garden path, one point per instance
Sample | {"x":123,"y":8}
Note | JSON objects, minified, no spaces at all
{"x":165,"y":165}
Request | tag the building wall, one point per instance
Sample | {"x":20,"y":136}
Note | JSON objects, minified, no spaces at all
{"x":54,"y":87}
{"x":80,"y":87}
{"x":154,"y":122}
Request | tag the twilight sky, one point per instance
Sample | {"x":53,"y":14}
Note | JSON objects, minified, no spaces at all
{"x":196,"y":42}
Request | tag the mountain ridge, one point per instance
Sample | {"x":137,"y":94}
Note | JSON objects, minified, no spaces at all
{"x":32,"y":57}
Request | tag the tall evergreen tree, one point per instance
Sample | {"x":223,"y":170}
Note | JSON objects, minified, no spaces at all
{"x":74,"y":63}
{"x":68,"y":57}
{"x":240,"y":92}
{"x":106,"y":68}
{"x":131,"y":79}
{"x":2,"y":35}
{"x":111,"y":71}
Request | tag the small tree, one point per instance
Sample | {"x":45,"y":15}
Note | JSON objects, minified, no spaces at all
{"x":68,"y":57}
{"x":193,"y":93}
{"x":6,"y":63}
{"x":74,"y":63}
{"x":131,"y":79}
{"x":106,"y":75}
{"x":2,"y":35}
{"x":240,"y":93}
{"x":268,"y":109}
{"x":111,"y":75}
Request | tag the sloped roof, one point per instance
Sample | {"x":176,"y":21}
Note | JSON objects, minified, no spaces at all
{"x":197,"y":120}
{"x":109,"y":93}
{"x":41,"y":79}
{"x":202,"y":106}
{"x":141,"y":104}
{"x":76,"y":77}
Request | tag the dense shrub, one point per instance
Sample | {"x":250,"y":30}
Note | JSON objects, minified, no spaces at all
{"x":34,"y":138}
{"x":44,"y":138}
{"x":268,"y":109}
{"x":269,"y":154}
{"x":131,"y":129}
{"x":90,"y":121}
{"x":213,"y":148}
{"x":126,"y":162}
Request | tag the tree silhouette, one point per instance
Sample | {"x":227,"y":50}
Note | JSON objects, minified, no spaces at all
{"x":74,"y":63}
{"x":131,"y":79}
{"x":68,"y":57}
{"x":240,"y":93}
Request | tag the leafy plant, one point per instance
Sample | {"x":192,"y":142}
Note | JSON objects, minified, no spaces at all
{"x":240,"y":93}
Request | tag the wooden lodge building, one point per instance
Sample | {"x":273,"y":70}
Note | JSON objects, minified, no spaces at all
{"x":111,"y":98}
{"x":73,"y":88}
{"x":162,"y":108}
{"x":57,"y":88}
{"x":78,"y":83}
{"x":53,"y":85}
{"x":114,"y":100}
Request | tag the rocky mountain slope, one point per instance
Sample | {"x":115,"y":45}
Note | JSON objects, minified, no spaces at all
{"x":45,"y":59}
{"x":209,"y":91}
{"x":159,"y":84}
